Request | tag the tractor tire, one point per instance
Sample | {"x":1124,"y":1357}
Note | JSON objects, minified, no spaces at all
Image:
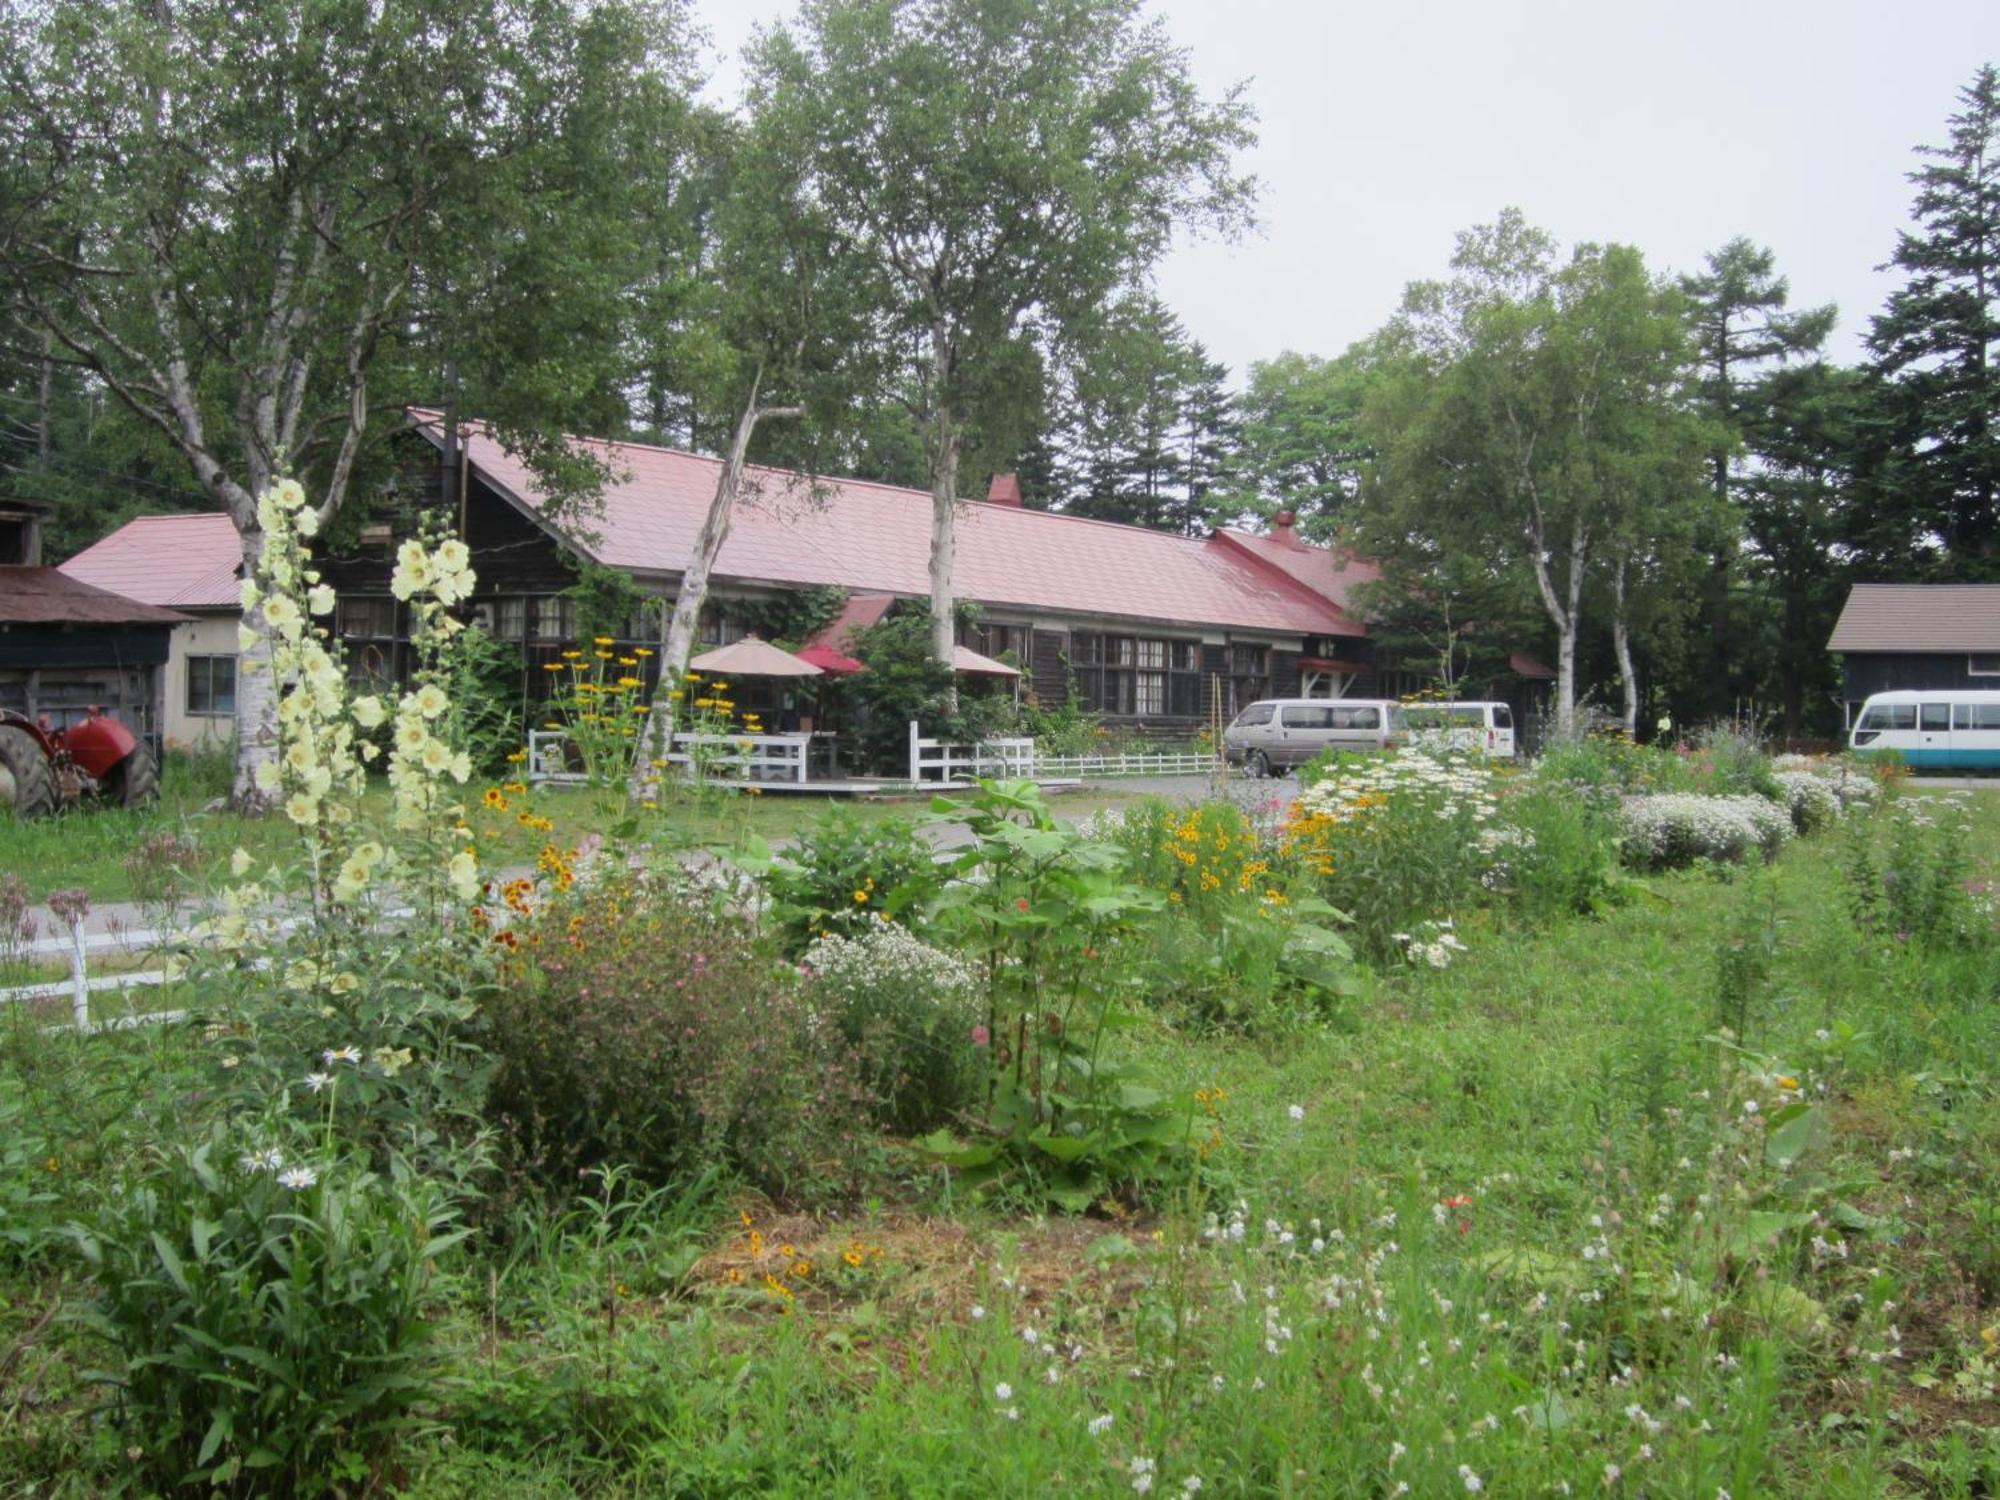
{"x":135,"y":780}
{"x":27,"y":769}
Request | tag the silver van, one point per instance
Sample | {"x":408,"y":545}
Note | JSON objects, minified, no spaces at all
{"x":1279,"y":734}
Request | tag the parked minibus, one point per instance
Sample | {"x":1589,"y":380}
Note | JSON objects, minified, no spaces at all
{"x":1480,"y":728}
{"x":1954,"y":729}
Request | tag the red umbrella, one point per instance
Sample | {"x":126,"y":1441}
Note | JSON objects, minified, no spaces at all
{"x":829,"y":660}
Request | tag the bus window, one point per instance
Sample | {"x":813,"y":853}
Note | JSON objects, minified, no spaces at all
{"x":1890,"y":716}
{"x":1975,"y":716}
{"x":1937,"y":716}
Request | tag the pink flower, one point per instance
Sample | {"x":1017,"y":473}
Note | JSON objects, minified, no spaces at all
{"x":981,"y":1037}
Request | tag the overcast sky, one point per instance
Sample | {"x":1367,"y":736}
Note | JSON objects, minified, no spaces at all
{"x":1385,"y":128}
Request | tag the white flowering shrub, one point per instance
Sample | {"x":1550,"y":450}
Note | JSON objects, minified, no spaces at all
{"x":911,"y":1013}
{"x":1810,"y":799}
{"x":1674,"y":829}
{"x":1397,"y":840}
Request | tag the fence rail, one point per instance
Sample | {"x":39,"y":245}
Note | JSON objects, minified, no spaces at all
{"x":940,"y":760}
{"x":1137,"y":763}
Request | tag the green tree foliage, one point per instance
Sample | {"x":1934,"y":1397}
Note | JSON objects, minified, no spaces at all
{"x":258,"y":225}
{"x":1149,"y":428}
{"x":1302,"y":448}
{"x":1747,"y":344}
{"x":1531,"y":415}
{"x":1006,"y":166}
{"x":1935,"y":344}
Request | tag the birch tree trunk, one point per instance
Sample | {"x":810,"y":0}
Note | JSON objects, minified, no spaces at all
{"x":685,"y":622}
{"x":944,"y":545}
{"x":256,"y":694}
{"x":1621,"y":642}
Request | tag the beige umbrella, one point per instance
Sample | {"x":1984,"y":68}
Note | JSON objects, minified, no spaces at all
{"x":751,"y":657}
{"x":972,"y":664}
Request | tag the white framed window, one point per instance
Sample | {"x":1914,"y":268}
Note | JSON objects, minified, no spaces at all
{"x":211,"y":687}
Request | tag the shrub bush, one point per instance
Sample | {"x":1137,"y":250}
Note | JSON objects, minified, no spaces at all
{"x":1913,"y":883}
{"x":1397,"y":840}
{"x":1242,"y":942}
{"x":1811,"y":800}
{"x":1674,"y":829}
{"x":266,"y":1314}
{"x":844,"y":873}
{"x":636,"y":1028}
{"x":907,"y":1011}
{"x":1555,"y":855}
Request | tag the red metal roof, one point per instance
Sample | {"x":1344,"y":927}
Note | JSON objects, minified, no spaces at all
{"x":1524,"y":665}
{"x":186,"y":562}
{"x":875,"y":538}
{"x":48,"y":596}
{"x":1332,"y":575}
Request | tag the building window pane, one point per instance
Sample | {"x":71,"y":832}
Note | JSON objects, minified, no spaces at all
{"x":1983,"y":664}
{"x":555,"y":618}
{"x":365,"y":619}
{"x":510,"y":620}
{"x":211,"y":686}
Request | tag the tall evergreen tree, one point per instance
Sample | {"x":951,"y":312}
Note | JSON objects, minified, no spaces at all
{"x":1935,"y":345}
{"x":1742,"y":334}
{"x":1150,"y":427}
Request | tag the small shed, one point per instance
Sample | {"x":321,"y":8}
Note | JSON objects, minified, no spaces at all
{"x":67,"y":648}
{"x":1917,"y":636}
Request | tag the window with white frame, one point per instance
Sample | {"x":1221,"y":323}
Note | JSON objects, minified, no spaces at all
{"x":211,"y":687}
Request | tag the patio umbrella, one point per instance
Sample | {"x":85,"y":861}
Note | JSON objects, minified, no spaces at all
{"x":971,"y":664}
{"x":830,"y":661}
{"x":751,"y":657}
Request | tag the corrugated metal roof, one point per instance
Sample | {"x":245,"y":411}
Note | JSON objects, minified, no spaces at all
{"x":48,"y":596}
{"x":1330,"y":574}
{"x":186,"y":562}
{"x":875,"y":538}
{"x":1919,"y":617}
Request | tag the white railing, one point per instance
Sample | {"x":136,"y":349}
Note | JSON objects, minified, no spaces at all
{"x":1129,"y":763}
{"x":940,"y":760}
{"x":731,"y":757}
{"x":742,"y":757}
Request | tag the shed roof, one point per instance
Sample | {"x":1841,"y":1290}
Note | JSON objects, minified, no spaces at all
{"x":875,"y":538}
{"x":1919,"y":617}
{"x":48,"y":596}
{"x":185,"y":561}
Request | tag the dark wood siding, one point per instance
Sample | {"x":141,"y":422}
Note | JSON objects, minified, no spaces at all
{"x":1048,"y":671}
{"x":1284,"y":674}
{"x":1864,"y":673}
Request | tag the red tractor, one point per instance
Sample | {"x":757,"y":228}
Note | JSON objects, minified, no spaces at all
{"x":42,"y":769}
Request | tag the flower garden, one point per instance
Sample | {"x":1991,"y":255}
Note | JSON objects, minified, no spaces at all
{"x":1622,"y":1123}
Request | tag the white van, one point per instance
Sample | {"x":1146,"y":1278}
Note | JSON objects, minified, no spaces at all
{"x":1281,"y":734}
{"x":1955,"y":729}
{"x":1468,"y":727}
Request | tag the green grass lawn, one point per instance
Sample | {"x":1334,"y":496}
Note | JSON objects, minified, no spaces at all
{"x":102,"y":849}
{"x":1512,"y":1227}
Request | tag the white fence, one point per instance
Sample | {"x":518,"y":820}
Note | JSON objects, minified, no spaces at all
{"x":742,"y":757}
{"x":1146,"y":763}
{"x":734,"y":757}
{"x":940,"y":760}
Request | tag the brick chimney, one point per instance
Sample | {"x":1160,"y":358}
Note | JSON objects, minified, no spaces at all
{"x":1283,"y":527}
{"x":1005,"y":490}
